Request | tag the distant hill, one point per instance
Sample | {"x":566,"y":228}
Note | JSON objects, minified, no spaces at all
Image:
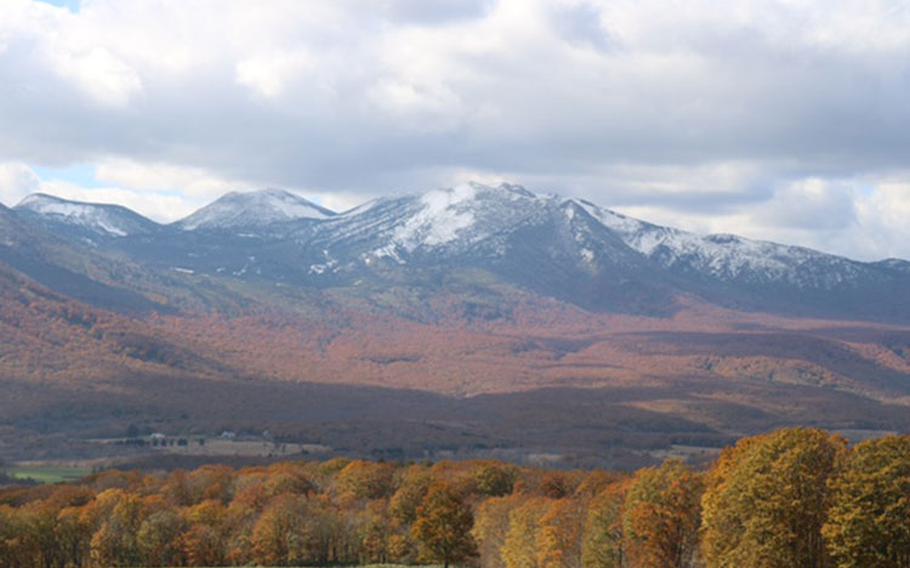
{"x":530,"y":321}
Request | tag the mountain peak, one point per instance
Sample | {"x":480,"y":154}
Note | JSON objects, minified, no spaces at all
{"x":103,"y":219}
{"x":253,"y":209}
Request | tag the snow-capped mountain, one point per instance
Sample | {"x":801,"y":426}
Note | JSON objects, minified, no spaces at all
{"x":92,"y":218}
{"x":729,"y":257}
{"x":441,"y":222}
{"x":499,"y":236}
{"x":253,"y":209}
{"x":482,"y":220}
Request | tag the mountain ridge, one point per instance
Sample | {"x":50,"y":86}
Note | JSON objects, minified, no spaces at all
{"x":567,"y":248}
{"x":253,"y":209}
{"x":502,"y":306}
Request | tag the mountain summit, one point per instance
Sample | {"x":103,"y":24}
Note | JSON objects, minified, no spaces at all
{"x":253,"y":209}
{"x":94,"y":219}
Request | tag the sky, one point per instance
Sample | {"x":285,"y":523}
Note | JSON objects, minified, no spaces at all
{"x":784,"y":120}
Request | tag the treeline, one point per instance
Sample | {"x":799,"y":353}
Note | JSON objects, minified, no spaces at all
{"x":793,"y":498}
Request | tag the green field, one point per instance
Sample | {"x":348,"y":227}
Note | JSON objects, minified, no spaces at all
{"x":47,"y":473}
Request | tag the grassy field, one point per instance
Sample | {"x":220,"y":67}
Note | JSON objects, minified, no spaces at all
{"x":47,"y":473}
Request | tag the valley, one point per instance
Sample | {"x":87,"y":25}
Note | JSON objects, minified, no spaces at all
{"x":472,"y":322}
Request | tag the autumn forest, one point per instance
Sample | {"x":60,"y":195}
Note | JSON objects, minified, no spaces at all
{"x":795,"y":497}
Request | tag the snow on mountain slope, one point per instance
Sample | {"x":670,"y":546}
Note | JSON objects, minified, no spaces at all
{"x":253,"y":209}
{"x":481,"y":220}
{"x":729,"y":257}
{"x":568,"y":249}
{"x":463,"y":216}
{"x":101,"y":219}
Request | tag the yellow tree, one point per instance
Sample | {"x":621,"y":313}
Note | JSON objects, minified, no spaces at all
{"x":661,"y":516}
{"x":281,"y":536}
{"x":443,"y":526}
{"x":13,"y":550}
{"x":158,"y":538}
{"x":766,"y":500}
{"x":559,"y":536}
{"x":869,"y":521}
{"x":204,"y":542}
{"x":412,"y":488}
{"x":366,"y":480}
{"x":491,"y":524}
{"x":495,"y":479}
{"x":114,"y":543}
{"x":603,"y":539}
{"x":520,"y":547}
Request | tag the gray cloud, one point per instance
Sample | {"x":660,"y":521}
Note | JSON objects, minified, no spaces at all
{"x":700,"y":112}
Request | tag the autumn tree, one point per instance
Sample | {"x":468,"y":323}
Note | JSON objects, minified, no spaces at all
{"x":520,"y":547}
{"x":12,"y":552}
{"x":555,"y":485}
{"x":491,"y":525}
{"x":366,"y":480}
{"x":443,"y":526}
{"x":114,"y":543}
{"x":412,"y":488}
{"x":661,"y":516}
{"x":559,"y":537}
{"x":158,"y":538}
{"x":280,"y":536}
{"x":766,"y":500}
{"x":869,"y":521}
{"x":603,"y":539}
{"x":495,"y":479}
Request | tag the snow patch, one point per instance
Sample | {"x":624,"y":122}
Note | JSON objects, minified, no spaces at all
{"x":95,"y":217}
{"x":440,"y":220}
{"x":253,"y":209}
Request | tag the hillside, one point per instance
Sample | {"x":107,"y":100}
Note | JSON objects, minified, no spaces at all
{"x":474,"y":317}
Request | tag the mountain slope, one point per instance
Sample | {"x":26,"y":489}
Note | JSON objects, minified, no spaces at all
{"x":91,"y":219}
{"x":484,"y":240}
{"x":502,"y":307}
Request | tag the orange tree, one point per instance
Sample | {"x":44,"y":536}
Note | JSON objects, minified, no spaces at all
{"x":443,"y":526}
{"x":661,"y":516}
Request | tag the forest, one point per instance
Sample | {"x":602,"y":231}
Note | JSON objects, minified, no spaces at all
{"x":795,"y":497}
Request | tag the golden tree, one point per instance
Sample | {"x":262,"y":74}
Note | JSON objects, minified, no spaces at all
{"x":869,"y":520}
{"x":559,"y":536}
{"x":766,"y":500}
{"x":661,"y":516}
{"x":603,"y":539}
{"x":491,"y":524}
{"x":520,"y":547}
{"x":443,"y":526}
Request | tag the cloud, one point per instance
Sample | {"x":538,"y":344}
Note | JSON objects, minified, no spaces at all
{"x":697,"y":111}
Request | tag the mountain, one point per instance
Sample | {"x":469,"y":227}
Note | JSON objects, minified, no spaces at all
{"x":251,"y":210}
{"x":483,"y":237}
{"x":496,"y":307}
{"x":87,"y":219}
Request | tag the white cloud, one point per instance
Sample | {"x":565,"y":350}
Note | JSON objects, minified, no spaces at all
{"x":16,"y":181}
{"x":706,"y":114}
{"x":100,"y":74}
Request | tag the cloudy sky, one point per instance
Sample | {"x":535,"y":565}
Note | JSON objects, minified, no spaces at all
{"x":779,"y":119}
